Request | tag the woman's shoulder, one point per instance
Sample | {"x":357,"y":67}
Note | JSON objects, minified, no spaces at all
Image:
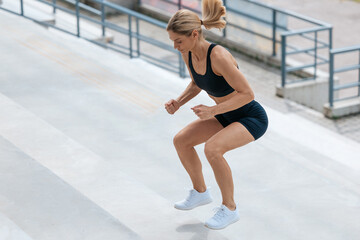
{"x":220,"y":54}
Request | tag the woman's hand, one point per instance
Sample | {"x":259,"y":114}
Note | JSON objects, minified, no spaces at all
{"x":203,"y":112}
{"x":172,"y":106}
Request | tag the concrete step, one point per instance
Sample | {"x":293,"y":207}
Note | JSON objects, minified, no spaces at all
{"x":96,"y":120}
{"x":42,"y":204}
{"x":104,"y":183}
{"x":83,"y":170}
{"x":9,"y":230}
{"x":33,"y":9}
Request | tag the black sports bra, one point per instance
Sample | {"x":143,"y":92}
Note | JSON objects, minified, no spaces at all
{"x":213,"y":84}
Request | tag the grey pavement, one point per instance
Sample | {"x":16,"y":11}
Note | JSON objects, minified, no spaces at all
{"x":86,"y":152}
{"x":344,"y":16}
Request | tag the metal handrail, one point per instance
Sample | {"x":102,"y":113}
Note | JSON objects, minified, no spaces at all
{"x":132,"y":34}
{"x":332,"y":87}
{"x":319,"y":26}
{"x":285,"y":69}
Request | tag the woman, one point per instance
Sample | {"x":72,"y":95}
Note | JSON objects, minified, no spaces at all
{"x":236,"y":119}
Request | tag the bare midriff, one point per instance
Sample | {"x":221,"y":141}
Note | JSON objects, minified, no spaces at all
{"x":222,"y":99}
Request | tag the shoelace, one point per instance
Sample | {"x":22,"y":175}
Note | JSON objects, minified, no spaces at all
{"x":192,"y":192}
{"x":220,"y":213}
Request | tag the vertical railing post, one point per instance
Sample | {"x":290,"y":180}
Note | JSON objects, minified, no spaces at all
{"x":130,"y":36}
{"x":181,"y":66}
{"x":137,"y":37}
{"x":331,"y":80}
{"x":77,"y":18}
{"x":283,"y":60}
{"x":315,"y":54}
{"x":22,"y":7}
{"x":54,"y":7}
{"x":274,"y":33}
{"x":331,"y":70}
{"x":330,"y":38}
{"x":224,"y":30}
{"x":359,"y":76}
{"x":179,"y":4}
{"x":103,"y":18}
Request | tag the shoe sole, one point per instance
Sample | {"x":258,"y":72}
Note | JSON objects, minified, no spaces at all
{"x":199,"y":205}
{"x":234,"y":221}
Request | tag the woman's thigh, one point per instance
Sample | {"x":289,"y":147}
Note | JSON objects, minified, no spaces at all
{"x":233,"y":136}
{"x":197,"y":132}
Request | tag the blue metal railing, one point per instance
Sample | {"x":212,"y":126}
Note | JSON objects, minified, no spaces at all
{"x":332,"y":87}
{"x":285,"y":69}
{"x":130,"y":32}
{"x":276,"y":28}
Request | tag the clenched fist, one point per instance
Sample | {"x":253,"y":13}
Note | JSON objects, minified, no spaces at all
{"x":203,"y":112}
{"x":172,"y":106}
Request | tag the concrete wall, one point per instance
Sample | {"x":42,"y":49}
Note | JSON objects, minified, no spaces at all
{"x":125,"y":3}
{"x":313,"y":94}
{"x":342,"y":108}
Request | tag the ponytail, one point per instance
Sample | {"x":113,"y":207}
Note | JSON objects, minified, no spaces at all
{"x":184,"y":21}
{"x":213,"y":11}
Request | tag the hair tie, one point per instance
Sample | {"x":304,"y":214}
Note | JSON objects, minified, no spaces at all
{"x":201,"y":22}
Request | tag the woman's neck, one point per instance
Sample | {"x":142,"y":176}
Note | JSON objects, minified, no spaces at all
{"x":200,"y":49}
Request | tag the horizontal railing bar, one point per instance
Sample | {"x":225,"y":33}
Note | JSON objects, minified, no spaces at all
{"x":10,"y":11}
{"x":117,"y":45}
{"x":90,"y":19}
{"x":250,"y":31}
{"x":313,"y":39}
{"x":325,"y":61}
{"x":160,"y":61}
{"x":229,"y":9}
{"x":108,"y":46}
{"x":289,"y":13}
{"x":297,"y":32}
{"x":349,"y":68}
{"x":86,"y":7}
{"x":73,"y":12}
{"x":183,"y":6}
{"x":311,"y":54}
{"x":348,"y":85}
{"x":51,"y":25}
{"x":291,"y":69}
{"x":303,"y":50}
{"x":346,"y":98}
{"x":345,"y":49}
{"x":141,"y":37}
{"x":155,"y":43}
{"x":132,"y":13}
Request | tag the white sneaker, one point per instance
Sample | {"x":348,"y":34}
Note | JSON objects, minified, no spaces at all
{"x":222,"y":218}
{"x":195,"y":199}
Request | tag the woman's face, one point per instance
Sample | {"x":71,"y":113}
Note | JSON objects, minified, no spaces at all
{"x":183,"y":43}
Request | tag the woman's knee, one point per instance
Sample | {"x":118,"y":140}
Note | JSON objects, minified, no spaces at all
{"x":213,"y":151}
{"x":181,"y":140}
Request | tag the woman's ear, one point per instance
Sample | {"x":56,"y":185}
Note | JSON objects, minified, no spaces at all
{"x":195,"y":34}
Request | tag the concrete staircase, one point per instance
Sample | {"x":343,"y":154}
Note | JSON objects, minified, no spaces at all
{"x":86,"y":153}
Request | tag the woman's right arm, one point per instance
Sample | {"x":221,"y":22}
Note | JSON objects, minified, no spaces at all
{"x":190,"y":92}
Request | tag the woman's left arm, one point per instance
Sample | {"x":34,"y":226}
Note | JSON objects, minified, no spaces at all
{"x":222,"y":64}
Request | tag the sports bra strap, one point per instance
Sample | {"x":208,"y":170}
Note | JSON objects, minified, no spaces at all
{"x":208,"y":54}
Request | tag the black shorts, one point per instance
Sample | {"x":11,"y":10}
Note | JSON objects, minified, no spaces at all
{"x":251,"y":115}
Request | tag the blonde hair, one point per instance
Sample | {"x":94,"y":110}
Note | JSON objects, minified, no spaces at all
{"x":184,"y":22}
